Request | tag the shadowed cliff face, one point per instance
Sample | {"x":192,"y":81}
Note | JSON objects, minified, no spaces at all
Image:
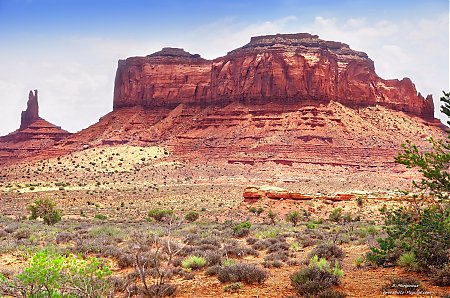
{"x":283,"y":68}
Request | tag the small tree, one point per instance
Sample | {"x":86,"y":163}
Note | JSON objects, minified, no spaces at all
{"x":423,"y":230}
{"x":46,"y":210}
{"x":191,"y":216}
{"x":434,"y":164}
{"x":272,"y":216}
{"x":154,"y":257}
{"x":293,"y":217}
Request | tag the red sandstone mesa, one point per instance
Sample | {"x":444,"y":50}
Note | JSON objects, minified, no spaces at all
{"x":285,"y":100}
{"x":282,"y":68}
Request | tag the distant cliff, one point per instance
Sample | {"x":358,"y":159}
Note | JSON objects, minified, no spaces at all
{"x":35,"y":135}
{"x":282,"y":68}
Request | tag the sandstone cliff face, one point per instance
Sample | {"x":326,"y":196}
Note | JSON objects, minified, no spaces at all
{"x":283,"y":68}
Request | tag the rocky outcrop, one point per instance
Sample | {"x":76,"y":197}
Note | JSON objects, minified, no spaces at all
{"x":253,"y":194}
{"x":35,"y":135}
{"x":31,"y":114}
{"x":282,"y":68}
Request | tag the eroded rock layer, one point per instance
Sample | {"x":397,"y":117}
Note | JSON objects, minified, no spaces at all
{"x":283,"y":68}
{"x":35,"y":135}
{"x":284,"y":134}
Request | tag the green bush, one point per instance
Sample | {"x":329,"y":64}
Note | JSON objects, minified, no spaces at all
{"x":53,"y":275}
{"x":426,"y":235}
{"x":293,"y":217}
{"x":336,"y":214}
{"x":233,"y":288}
{"x":358,"y":261}
{"x":408,"y":260}
{"x":242,"y":229}
{"x":256,"y":211}
{"x":160,"y":214}
{"x":101,"y":216}
{"x":318,"y":277}
{"x":328,"y":251}
{"x":311,"y":225}
{"x":46,"y":210}
{"x":193,"y":262}
{"x":271,"y":216}
{"x":191,"y":216}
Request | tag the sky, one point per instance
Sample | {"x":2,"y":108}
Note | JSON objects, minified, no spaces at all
{"x":69,"y":49}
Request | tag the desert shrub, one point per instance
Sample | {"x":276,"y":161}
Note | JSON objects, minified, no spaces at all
{"x":293,"y":262}
{"x":256,"y":210}
{"x":22,"y":233}
{"x":261,"y":244}
{"x":118,"y":283}
{"x":242,"y":229}
{"x":12,"y":227}
{"x":268,"y":233}
{"x":272,"y":264}
{"x":46,"y":210}
{"x":279,"y":246}
{"x":251,"y":240}
{"x":271,"y":216}
{"x":64,"y":237}
{"x":193,"y":262}
{"x":101,"y":216}
{"x":160,"y":214}
{"x":210,"y":253}
{"x":408,"y":260}
{"x":187,"y":275}
{"x":238,"y":251}
{"x":336,"y":214}
{"x":358,"y":261}
{"x":125,"y":260}
{"x":316,"y":278}
{"x":211,"y":240}
{"x":212,"y":257}
{"x":331,"y":293}
{"x":311,"y":225}
{"x":191,"y":216}
{"x":50,"y":274}
{"x":328,"y":251}
{"x":441,"y":276}
{"x":293,"y":217}
{"x":228,"y":262}
{"x":308,"y":241}
{"x":3,"y":234}
{"x":242,"y":272}
{"x":162,"y":290}
{"x":213,"y":270}
{"x":277,"y":256}
{"x":295,"y":246}
{"x":233,"y":288}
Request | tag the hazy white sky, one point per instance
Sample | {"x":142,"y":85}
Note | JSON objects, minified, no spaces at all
{"x":69,"y":49}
